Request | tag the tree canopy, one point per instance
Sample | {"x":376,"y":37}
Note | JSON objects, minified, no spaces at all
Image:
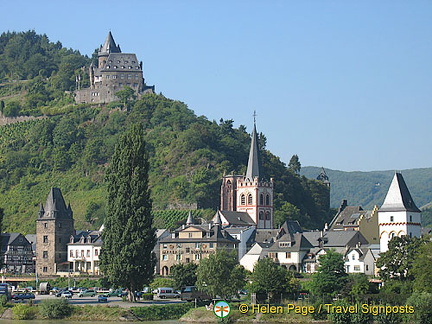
{"x":129,"y":238}
{"x":221,"y":275}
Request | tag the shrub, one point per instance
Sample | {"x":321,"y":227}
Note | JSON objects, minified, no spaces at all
{"x":148,"y":296}
{"x":24,"y":312}
{"x":3,"y":301}
{"x":160,"y":313}
{"x":55,"y":308}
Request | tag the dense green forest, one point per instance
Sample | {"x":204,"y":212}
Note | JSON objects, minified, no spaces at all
{"x":71,"y":146}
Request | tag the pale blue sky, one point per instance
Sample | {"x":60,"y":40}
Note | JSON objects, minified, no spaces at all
{"x":343,"y":84}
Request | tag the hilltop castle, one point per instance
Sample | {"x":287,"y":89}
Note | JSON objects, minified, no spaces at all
{"x":114,"y":71}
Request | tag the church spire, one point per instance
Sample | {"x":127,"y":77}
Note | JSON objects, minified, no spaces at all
{"x":253,"y":163}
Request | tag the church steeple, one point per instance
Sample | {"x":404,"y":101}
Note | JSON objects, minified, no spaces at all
{"x":253,"y":162}
{"x":398,"y":197}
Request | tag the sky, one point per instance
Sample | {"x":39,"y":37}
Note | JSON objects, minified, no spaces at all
{"x":346,"y":85}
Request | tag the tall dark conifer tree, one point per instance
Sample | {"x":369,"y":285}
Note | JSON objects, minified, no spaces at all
{"x":129,"y":238}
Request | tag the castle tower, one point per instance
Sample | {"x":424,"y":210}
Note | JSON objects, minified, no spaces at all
{"x":399,"y":214}
{"x":54,"y":226}
{"x":106,"y":49}
{"x":250,"y":193}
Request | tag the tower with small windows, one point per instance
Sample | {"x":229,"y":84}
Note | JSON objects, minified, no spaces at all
{"x":399,"y":215}
{"x":54,"y":227}
{"x":250,"y":193}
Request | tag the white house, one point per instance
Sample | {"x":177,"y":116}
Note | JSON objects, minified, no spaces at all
{"x":83,"y":252}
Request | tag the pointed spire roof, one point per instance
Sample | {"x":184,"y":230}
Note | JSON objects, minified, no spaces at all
{"x":398,"y":196}
{"x":218,"y":220}
{"x":253,"y":162}
{"x":109,"y":46}
{"x":190,"y":220}
{"x":56,"y":203}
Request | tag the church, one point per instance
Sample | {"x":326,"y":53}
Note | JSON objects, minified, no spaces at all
{"x":114,"y":71}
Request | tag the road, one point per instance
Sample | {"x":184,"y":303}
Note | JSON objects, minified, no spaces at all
{"x":112,"y":301}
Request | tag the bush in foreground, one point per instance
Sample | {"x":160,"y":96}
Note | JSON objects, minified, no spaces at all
{"x":55,"y":308}
{"x":164,"y":312}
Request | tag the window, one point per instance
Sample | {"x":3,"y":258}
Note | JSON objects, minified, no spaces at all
{"x":211,"y":245}
{"x":250,"y":200}
{"x":391,"y":218}
{"x":197,"y":257}
{"x":356,"y":268}
{"x":187,"y":250}
{"x":45,"y":239}
{"x":71,"y":253}
{"x":45,"y":225}
{"x":165,"y":246}
{"x":45,"y":254}
{"x":178,"y":257}
{"x":45,"y":269}
{"x":261,"y":215}
{"x":288,"y":255}
{"x":242,"y":200}
{"x":268,"y":200}
{"x":165,"y":257}
{"x":197,"y":245}
{"x":96,"y":252}
{"x":367,"y":267}
{"x":261,"y":199}
{"x":268,"y":215}
{"x":187,"y":260}
{"x":88,"y":253}
{"x":353,"y":257}
{"x":190,"y":234}
{"x":82,"y":253}
{"x":410,"y":218}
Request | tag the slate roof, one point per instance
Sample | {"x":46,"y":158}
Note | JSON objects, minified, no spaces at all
{"x":334,"y":239}
{"x":213,"y":234}
{"x":90,"y":237}
{"x":298,"y":243}
{"x":122,"y":62}
{"x":55,"y":203}
{"x":109,"y":46}
{"x":398,"y":197}
{"x":253,"y":162}
{"x":347,"y":217}
{"x":235,"y":218}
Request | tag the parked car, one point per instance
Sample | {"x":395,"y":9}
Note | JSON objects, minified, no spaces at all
{"x":190,"y":293}
{"x":167,"y":293}
{"x":88,"y":292}
{"x":103,"y":298}
{"x":66,"y":294}
{"x":23,"y":296}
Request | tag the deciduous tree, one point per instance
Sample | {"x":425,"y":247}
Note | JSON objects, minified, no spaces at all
{"x":220,"y":274}
{"x":129,"y":238}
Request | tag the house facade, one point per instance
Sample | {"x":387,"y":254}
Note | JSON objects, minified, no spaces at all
{"x":17,"y":254}
{"x":192,"y":242}
{"x":83,"y":252}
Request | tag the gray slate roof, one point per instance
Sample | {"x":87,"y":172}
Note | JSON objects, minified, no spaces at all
{"x":236,"y":218}
{"x":398,"y":197}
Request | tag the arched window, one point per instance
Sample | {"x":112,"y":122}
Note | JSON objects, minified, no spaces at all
{"x":250,"y":200}
{"x":261,"y":215}
{"x":243,"y":199}
{"x":261,"y":199}
{"x":267,"y":215}
{"x":268,"y":200}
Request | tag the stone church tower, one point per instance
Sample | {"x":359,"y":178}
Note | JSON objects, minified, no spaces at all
{"x":54,"y":227}
{"x":249,"y":193}
{"x":399,"y":214}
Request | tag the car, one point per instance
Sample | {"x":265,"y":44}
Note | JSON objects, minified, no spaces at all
{"x":167,"y":292}
{"x":103,"y":298}
{"x":190,"y":293}
{"x":88,"y":292}
{"x":66,"y":294}
{"x":23,"y":296}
